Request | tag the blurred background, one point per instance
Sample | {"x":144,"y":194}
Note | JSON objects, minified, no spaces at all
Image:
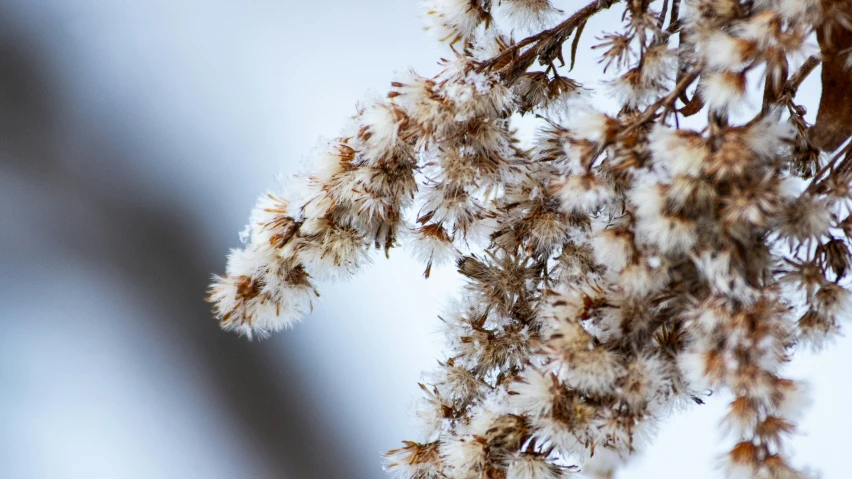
{"x":135,"y":136}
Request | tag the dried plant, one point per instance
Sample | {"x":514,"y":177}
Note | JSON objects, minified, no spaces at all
{"x":620,"y":267}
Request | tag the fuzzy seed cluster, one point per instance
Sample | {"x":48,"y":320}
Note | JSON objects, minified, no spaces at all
{"x":619,"y":269}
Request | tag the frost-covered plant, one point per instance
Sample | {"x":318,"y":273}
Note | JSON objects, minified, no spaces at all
{"x":619,"y":268}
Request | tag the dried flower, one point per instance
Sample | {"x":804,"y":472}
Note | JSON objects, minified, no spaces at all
{"x":618,"y":266}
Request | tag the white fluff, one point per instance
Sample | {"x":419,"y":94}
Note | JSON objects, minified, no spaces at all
{"x":672,"y":235}
{"x":723,"y":92}
{"x":612,"y":248}
{"x":464,"y":455}
{"x":587,"y":192}
{"x":381,"y":123}
{"x":722,"y":51}
{"x":771,"y":135}
{"x":451,"y":20}
{"x":533,"y":392}
{"x":528,"y":466}
{"x":680,"y":152}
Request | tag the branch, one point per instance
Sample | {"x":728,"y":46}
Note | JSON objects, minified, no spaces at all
{"x":844,"y":153}
{"x":793,"y":83}
{"x":666,"y":101}
{"x":788,"y":93}
{"x":542,"y":41}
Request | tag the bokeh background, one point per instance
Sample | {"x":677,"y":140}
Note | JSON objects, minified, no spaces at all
{"x":134,"y":137}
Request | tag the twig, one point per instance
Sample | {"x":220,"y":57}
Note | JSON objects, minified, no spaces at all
{"x":561,"y":31}
{"x":666,"y":101}
{"x":817,"y":180}
{"x":675,"y":13}
{"x":793,"y":83}
{"x":661,"y":19}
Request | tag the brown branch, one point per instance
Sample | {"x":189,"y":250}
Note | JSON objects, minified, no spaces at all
{"x":817,"y":180}
{"x":666,"y":101}
{"x":661,"y":18}
{"x":788,"y":92}
{"x":793,"y":83}
{"x":675,"y":13}
{"x":673,"y":28}
{"x":543,"y":40}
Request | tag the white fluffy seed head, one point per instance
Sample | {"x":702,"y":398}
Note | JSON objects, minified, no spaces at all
{"x":805,"y":11}
{"x":431,"y":244}
{"x":672,"y":234}
{"x":452,"y":20}
{"x":532,"y":392}
{"x":587,"y":368}
{"x":569,"y":440}
{"x":414,"y":461}
{"x":641,"y":279}
{"x":329,"y":251}
{"x":723,"y":92}
{"x":680,"y":152}
{"x":529,"y":15}
{"x":271,"y":217}
{"x":464,"y":455}
{"x":723,"y":276}
{"x":533,"y":466}
{"x":472,"y":94}
{"x":586,"y":192}
{"x":770,"y":136}
{"x":379,"y":132}
{"x":612,"y":247}
{"x":589,"y":124}
{"x":805,"y":218}
{"x":722,"y":51}
{"x":259,"y":295}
